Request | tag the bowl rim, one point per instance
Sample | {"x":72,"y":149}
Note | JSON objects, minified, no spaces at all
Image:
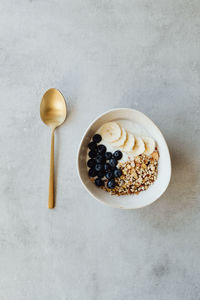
{"x":79,"y":150}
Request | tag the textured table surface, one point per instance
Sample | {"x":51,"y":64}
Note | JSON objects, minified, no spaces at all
{"x":101,"y":54}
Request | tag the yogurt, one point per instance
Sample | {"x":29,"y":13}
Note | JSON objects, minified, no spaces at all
{"x":130,"y":126}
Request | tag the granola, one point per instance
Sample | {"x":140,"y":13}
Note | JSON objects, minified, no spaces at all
{"x":137,"y":175}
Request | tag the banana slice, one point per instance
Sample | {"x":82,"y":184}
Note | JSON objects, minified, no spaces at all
{"x":110,"y":132}
{"x":129,"y":143}
{"x":149,"y":145}
{"x":121,"y":140}
{"x":139,"y":147}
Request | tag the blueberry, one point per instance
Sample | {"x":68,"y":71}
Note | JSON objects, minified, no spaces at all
{"x":98,"y":167}
{"x":92,"y":154}
{"x":117,"y":173}
{"x":92,"y":146}
{"x":106,"y":167}
{"x":91,"y":163}
{"x":101,"y":149}
{"x":117,"y":154}
{"x":101,"y":174}
{"x":113,"y":162}
{"x":112,"y":168}
{"x":97,"y":138}
{"x":92,"y":173}
{"x":108,"y":155}
{"x":109,"y":175}
{"x":100,"y":159}
{"x":111,"y":184}
{"x":98,"y":182}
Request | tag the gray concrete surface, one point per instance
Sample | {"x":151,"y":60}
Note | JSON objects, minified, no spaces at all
{"x":101,"y":54}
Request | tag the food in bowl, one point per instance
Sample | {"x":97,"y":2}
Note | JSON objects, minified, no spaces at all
{"x":122,"y":158}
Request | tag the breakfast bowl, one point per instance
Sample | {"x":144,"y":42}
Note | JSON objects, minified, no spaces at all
{"x":144,"y":127}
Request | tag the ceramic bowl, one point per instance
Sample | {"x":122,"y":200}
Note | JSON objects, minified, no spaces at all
{"x":164,"y":165}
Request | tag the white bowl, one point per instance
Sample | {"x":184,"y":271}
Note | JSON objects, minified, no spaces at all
{"x":164,"y":165}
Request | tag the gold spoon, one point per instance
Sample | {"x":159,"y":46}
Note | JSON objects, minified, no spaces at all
{"x":53,"y":113}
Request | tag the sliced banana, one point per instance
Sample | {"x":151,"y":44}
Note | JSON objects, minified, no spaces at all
{"x":121,"y":140}
{"x":149,"y":144}
{"x":110,"y":132}
{"x":139,"y":147}
{"x":129,"y":143}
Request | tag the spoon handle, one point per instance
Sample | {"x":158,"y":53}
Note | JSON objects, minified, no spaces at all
{"x":51,"y":177}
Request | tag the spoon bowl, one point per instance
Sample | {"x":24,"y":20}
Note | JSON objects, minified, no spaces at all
{"x":53,"y":109}
{"x":53,"y":113}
